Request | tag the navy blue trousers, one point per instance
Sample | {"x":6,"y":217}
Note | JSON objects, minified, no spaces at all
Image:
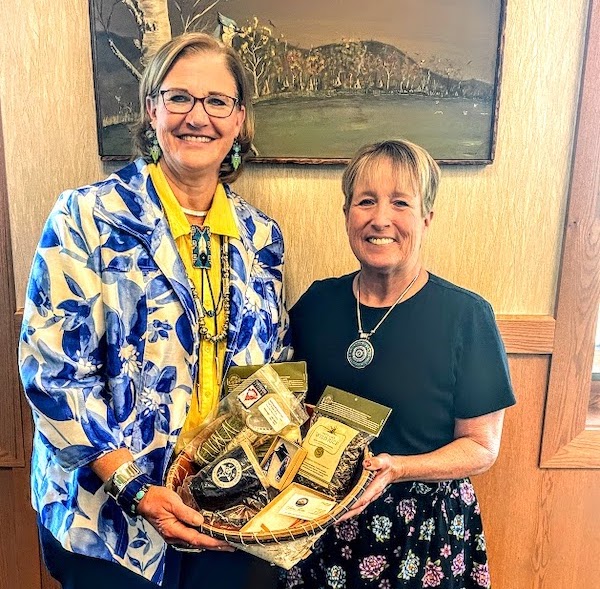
{"x":210,"y":570}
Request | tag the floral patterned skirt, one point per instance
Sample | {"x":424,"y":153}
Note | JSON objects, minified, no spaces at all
{"x":416,"y":535}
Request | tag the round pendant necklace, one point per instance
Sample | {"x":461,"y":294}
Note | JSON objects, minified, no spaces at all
{"x":361,"y":351}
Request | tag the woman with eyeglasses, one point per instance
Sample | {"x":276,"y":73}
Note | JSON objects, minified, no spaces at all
{"x":144,"y":289}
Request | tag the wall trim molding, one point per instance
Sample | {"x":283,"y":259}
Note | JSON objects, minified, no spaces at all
{"x":522,"y":334}
{"x":527,"y":334}
{"x":569,"y":441}
{"x":12,"y":452}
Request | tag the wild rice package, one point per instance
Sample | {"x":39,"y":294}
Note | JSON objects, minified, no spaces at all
{"x":342,"y":426}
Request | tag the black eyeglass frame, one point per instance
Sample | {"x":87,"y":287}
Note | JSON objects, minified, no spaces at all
{"x":236,"y":102}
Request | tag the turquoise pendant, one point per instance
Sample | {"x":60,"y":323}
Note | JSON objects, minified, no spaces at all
{"x":201,"y":254}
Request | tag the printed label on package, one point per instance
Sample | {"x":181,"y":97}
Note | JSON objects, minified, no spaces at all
{"x":325,"y":443}
{"x":271,"y":410}
{"x":252,"y":393}
{"x":306,"y":506}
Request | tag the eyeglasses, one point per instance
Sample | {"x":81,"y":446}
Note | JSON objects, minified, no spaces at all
{"x":215,"y":105}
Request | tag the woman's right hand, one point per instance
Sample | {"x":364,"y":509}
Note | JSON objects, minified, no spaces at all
{"x":172,"y":519}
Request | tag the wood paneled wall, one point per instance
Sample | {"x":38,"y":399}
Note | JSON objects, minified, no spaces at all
{"x":18,"y":540}
{"x":542,"y":525}
{"x":20,"y":565}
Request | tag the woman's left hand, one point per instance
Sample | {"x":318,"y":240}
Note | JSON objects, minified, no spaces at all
{"x":383,"y":465}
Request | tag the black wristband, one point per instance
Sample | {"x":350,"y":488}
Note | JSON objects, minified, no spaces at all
{"x":133,"y":493}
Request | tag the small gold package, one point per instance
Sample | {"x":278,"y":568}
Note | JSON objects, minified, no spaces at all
{"x":281,"y":462}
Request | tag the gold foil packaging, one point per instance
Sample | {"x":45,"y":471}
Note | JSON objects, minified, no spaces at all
{"x":342,"y":426}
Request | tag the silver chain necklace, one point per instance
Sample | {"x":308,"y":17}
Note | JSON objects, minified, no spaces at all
{"x":361,"y":352}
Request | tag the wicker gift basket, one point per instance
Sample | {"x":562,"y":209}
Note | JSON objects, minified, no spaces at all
{"x":283,"y":547}
{"x":285,"y":501}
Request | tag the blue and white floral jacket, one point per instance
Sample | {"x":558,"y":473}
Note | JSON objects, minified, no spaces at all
{"x":109,"y":350}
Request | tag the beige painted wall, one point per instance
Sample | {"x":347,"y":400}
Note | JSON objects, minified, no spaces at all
{"x":497,"y":229}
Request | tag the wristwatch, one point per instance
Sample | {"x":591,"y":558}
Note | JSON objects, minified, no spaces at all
{"x":121,"y":478}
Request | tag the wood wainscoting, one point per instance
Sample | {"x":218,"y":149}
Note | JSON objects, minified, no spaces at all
{"x":542,"y":525}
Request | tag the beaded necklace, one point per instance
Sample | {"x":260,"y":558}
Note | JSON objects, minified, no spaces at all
{"x":224,"y":298}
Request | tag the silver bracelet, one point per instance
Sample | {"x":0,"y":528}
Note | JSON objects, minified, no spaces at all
{"x":121,"y":478}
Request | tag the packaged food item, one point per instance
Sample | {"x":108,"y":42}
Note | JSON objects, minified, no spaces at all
{"x":342,"y":426}
{"x":229,"y":481}
{"x":266,"y":404}
{"x":259,"y":407}
{"x":281,"y":462}
{"x":292,"y":374}
{"x":235,"y":517}
{"x":230,"y":434}
{"x":295,"y":503}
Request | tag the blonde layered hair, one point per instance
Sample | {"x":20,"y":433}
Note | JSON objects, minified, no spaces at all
{"x":405,"y":158}
{"x":157,"y":70}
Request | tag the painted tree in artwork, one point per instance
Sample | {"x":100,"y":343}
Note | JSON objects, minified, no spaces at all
{"x":152,"y":18}
{"x":257,"y":49}
{"x":315,"y":64}
{"x":390,"y":62}
{"x":295,"y":65}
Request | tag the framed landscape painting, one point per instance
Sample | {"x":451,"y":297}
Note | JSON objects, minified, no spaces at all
{"x":327,"y":77}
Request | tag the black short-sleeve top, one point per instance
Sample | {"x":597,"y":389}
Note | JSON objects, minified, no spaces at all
{"x":438,"y":357}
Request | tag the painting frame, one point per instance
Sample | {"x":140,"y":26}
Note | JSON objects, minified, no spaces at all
{"x":414,"y":89}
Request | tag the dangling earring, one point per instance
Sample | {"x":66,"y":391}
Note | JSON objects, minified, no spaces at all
{"x":155,"y":151}
{"x":236,"y":158}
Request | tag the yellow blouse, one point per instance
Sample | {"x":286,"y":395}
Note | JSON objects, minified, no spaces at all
{"x":221,"y":221}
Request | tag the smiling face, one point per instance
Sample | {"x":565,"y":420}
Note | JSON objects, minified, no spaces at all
{"x":195,"y":144}
{"x":384,"y":221}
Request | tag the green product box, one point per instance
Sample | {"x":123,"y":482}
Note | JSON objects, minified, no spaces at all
{"x":293,"y":375}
